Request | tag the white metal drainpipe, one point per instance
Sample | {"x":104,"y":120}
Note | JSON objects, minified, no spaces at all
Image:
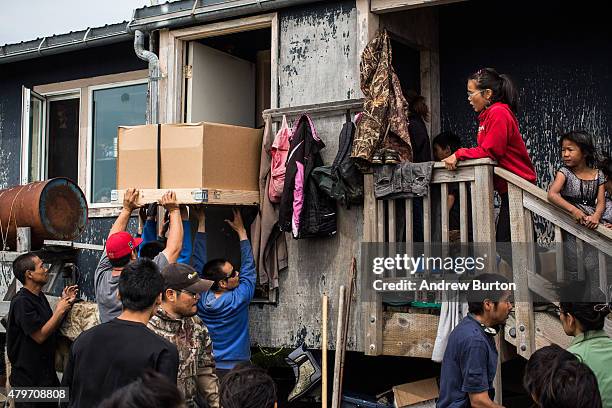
{"x":154,"y":76}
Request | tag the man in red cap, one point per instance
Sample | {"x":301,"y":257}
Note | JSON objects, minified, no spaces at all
{"x":121,"y":248}
{"x":176,"y":321}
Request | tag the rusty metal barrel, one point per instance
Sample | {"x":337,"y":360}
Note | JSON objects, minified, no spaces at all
{"x":53,"y":209}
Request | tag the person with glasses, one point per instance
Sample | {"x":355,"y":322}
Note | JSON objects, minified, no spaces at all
{"x":175,"y":320}
{"x":495,"y":98}
{"x":224,"y":308}
{"x":585,"y":321}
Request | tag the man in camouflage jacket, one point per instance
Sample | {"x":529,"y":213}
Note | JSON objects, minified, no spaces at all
{"x":176,"y":321}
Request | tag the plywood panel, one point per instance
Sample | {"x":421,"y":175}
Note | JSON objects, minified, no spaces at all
{"x":409,"y":334}
{"x":222,"y":89}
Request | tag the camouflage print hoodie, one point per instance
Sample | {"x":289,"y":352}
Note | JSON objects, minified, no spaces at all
{"x":196,"y":363}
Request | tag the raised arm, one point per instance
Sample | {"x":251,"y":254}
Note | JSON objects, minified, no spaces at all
{"x":246,"y":288}
{"x":200,"y":255}
{"x":175,"y":231}
{"x":129,"y":204}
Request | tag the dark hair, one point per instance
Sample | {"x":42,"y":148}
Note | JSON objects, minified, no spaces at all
{"x":140,"y":283}
{"x":447,"y":139}
{"x":151,"y":249}
{"x":539,"y":368}
{"x":571,"y":384}
{"x":247,"y":386}
{"x":476,"y":298}
{"x":586,"y":313}
{"x":23,"y":263}
{"x":417,"y":105}
{"x":500,"y":84}
{"x":213,"y":270}
{"x":151,"y":390}
{"x":119,"y":262}
{"x":585,"y":142}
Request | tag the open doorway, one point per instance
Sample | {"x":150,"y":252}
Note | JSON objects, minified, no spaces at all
{"x":406,"y":62}
{"x":230,"y":78}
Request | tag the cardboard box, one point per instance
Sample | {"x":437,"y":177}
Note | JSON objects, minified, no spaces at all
{"x":423,"y":393}
{"x":137,"y":157}
{"x":208,"y":155}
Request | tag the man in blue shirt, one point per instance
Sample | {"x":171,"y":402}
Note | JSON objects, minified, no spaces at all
{"x":470,"y":359}
{"x":224,"y":308}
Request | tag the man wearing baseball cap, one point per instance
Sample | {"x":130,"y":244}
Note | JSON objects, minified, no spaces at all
{"x":176,"y":321}
{"x":121,"y":248}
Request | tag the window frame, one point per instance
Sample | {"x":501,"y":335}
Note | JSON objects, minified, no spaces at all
{"x":82,"y":86}
{"x":27,"y":94}
{"x":90,"y":163}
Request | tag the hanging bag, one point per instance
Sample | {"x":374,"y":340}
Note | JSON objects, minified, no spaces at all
{"x":278,"y":153}
{"x":342,"y":181}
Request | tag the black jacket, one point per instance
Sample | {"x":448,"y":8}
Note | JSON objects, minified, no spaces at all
{"x":304,"y":209}
{"x":421,"y":146}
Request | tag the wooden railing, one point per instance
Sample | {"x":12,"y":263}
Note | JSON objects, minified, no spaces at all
{"x":380,"y":218}
{"x":526,"y":199}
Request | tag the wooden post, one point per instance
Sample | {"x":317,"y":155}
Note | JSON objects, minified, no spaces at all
{"x":24,"y":238}
{"x":559,"y":263}
{"x":444,"y":211}
{"x":525,"y":325}
{"x":580,"y":259}
{"x":463,"y":213}
{"x":336,"y":397}
{"x":324,"y":351}
{"x":482,"y":211}
{"x":603,"y":273}
{"x":372,"y":306}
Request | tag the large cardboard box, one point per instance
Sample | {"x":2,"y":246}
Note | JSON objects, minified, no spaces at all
{"x":193,"y":155}
{"x":137,"y":157}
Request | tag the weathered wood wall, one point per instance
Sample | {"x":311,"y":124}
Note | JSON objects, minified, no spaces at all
{"x":318,"y":63}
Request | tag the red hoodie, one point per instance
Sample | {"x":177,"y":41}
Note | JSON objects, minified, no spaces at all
{"x":499,"y":139}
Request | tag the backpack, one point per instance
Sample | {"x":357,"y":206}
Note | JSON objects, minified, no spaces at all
{"x":342,"y":181}
{"x":278,"y":153}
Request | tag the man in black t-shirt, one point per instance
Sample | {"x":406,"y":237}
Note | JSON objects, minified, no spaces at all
{"x":32,"y":326}
{"x":115,"y":353}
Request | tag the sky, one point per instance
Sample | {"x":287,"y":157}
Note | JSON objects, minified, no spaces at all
{"x":22,"y":20}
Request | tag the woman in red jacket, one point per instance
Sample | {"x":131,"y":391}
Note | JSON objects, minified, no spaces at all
{"x":495,"y":98}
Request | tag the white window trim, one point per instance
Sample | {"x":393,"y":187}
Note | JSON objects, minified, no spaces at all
{"x":89,"y":161}
{"x":52,"y":97}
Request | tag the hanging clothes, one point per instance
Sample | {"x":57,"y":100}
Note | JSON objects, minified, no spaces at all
{"x":384,"y":122}
{"x":305,"y":210}
{"x":268,"y":242}
{"x":451,"y":313}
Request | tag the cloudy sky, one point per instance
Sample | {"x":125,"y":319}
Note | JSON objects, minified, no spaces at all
{"x":22,"y":20}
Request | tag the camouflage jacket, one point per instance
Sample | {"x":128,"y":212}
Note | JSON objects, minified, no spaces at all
{"x":196,"y":362}
{"x":384,"y":122}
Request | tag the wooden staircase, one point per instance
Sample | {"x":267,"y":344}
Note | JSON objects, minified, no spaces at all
{"x":413,"y":334}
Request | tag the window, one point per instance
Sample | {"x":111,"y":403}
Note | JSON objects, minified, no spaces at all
{"x":50,"y":140}
{"x":32,"y":135}
{"x":111,"y":107}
